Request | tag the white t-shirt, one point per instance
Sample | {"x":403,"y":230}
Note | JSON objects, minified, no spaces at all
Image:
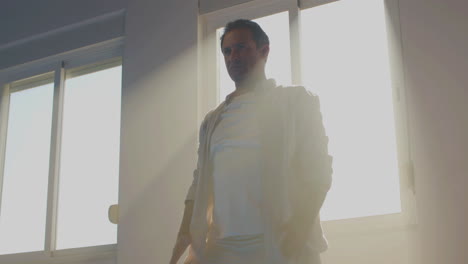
{"x":234,"y":149}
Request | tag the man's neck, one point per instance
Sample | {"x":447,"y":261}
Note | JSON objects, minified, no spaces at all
{"x":249,"y":84}
{"x":244,"y":87}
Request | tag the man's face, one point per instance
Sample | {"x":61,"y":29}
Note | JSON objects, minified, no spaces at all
{"x":241,"y":54}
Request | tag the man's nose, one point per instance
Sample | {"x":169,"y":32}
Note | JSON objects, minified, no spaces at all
{"x":235,"y":54}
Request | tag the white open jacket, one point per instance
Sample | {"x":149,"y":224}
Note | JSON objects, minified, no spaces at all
{"x":296,"y":162}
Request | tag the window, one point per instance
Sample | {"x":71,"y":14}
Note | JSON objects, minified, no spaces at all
{"x":345,"y":62}
{"x":61,"y":141}
{"x":344,"y":59}
{"x":25,"y":176}
{"x":89,"y":157}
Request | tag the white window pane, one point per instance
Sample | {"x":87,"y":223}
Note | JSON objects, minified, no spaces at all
{"x":89,"y":164}
{"x":345,"y":61}
{"x":24,"y":192}
{"x":279,"y":60}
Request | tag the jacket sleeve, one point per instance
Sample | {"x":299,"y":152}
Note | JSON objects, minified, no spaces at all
{"x":193,"y":187}
{"x":314,"y":162}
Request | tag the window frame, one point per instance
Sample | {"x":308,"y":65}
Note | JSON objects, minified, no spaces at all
{"x":98,"y":54}
{"x":208,"y":53}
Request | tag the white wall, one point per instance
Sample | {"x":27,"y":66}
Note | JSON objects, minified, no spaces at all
{"x":31,"y":30}
{"x":159,"y":126}
{"x":25,"y":18}
{"x":435,"y":46}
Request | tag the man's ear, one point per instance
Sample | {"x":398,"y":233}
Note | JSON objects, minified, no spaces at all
{"x":265,"y":50}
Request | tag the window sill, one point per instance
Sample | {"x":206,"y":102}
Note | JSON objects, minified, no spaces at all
{"x":367,"y":225}
{"x":104,"y":253}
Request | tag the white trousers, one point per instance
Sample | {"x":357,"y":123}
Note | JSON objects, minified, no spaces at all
{"x":247,"y":249}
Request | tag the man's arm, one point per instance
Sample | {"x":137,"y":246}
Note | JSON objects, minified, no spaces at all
{"x":183,"y":236}
{"x":185,"y":225}
{"x":313,"y":161}
{"x":313,"y":168}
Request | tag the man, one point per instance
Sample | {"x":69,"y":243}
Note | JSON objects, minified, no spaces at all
{"x":263,"y":167}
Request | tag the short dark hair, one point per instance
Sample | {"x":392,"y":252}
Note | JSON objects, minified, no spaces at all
{"x":259,"y":36}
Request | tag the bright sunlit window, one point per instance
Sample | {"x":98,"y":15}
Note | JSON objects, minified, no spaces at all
{"x":345,"y":61}
{"x":25,"y":176}
{"x":89,"y":162}
{"x":86,"y":131}
{"x":279,"y":63}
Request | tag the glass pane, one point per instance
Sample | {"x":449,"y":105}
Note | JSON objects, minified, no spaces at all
{"x":279,"y":60}
{"x":89,"y":159}
{"x":24,"y":192}
{"x":345,"y":61}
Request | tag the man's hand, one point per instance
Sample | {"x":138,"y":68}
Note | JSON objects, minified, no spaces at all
{"x":183,"y":241}
{"x":293,"y":239}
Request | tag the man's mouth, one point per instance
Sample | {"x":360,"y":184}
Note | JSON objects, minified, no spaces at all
{"x":236,"y":67}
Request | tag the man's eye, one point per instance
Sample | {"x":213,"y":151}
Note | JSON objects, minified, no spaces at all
{"x":240,"y":46}
{"x":226,"y":51}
